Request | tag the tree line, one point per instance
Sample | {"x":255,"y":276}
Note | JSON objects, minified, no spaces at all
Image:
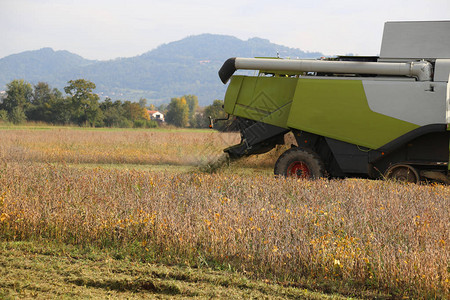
{"x":81,"y":106}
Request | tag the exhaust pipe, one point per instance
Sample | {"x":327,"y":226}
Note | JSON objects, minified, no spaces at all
{"x":422,"y":70}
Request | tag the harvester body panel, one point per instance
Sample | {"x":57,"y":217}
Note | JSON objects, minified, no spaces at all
{"x":415,"y":40}
{"x":258,"y":98}
{"x":339,"y":109}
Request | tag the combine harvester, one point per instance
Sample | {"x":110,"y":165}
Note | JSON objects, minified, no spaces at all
{"x":352,"y":116}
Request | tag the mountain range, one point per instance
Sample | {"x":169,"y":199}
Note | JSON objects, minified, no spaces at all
{"x":187,"y":66}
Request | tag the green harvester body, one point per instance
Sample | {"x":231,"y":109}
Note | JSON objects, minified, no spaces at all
{"x":352,"y":116}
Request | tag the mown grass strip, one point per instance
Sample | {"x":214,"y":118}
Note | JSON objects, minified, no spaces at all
{"x":45,"y":270}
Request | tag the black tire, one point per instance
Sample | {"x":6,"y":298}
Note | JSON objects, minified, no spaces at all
{"x":403,"y":173}
{"x":301,"y":163}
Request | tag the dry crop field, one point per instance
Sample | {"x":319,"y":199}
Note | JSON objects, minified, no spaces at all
{"x":99,"y":146}
{"x":357,"y":238}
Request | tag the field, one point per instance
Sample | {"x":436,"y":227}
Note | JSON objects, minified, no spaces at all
{"x":139,"y":213}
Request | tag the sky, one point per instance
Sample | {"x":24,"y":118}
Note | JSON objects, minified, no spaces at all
{"x":109,"y":29}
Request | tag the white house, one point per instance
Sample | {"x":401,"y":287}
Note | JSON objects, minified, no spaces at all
{"x":156,"y":115}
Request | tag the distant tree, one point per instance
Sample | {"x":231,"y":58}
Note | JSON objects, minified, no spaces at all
{"x":200,"y":120}
{"x":60,"y":111}
{"x":133,"y":111}
{"x":178,"y":112}
{"x":3,"y":115}
{"x":17,"y":100}
{"x":113,"y":117}
{"x":42,"y":94}
{"x":125,"y":114}
{"x":42,"y":102}
{"x":106,"y":104}
{"x":143,"y":102}
{"x":215,"y":110}
{"x":192,"y":102}
{"x":152,"y":107}
{"x":114,"y":114}
{"x":85,"y":103}
{"x":17,"y":115}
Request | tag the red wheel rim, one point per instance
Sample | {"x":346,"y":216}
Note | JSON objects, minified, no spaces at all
{"x":298,"y":169}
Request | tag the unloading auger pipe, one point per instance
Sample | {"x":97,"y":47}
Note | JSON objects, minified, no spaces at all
{"x":422,"y":70}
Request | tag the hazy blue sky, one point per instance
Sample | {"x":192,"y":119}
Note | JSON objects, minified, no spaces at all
{"x":106,"y":29}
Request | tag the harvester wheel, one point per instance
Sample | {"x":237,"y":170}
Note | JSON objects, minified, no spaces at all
{"x":300,"y":163}
{"x":405,"y":173}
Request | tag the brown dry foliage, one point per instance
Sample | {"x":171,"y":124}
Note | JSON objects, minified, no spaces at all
{"x":114,"y":146}
{"x":358,"y":235}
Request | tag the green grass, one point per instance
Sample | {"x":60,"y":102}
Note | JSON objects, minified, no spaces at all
{"x":44,"y":270}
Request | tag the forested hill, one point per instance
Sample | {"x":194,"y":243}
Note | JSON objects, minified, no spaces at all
{"x":187,"y":66}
